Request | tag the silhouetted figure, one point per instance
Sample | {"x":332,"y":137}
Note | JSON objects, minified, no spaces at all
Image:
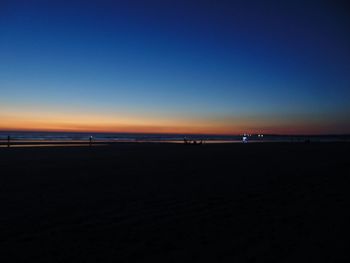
{"x":185,"y":140}
{"x":90,"y":140}
{"x":8,"y":141}
{"x":194,"y":142}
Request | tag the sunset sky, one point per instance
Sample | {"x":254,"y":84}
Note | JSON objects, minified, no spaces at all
{"x":208,"y":67}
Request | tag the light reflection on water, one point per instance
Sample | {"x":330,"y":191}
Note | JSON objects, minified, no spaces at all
{"x":204,"y":142}
{"x":58,"y":143}
{"x":20,"y":144}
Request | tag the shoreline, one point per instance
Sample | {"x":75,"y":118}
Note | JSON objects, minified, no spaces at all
{"x":55,"y":143}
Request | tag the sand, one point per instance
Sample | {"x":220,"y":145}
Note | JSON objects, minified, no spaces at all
{"x":268,"y":202}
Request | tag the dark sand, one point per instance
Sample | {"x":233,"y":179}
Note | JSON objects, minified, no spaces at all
{"x":269,"y":202}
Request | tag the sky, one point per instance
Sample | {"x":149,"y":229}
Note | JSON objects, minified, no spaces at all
{"x":207,"y":67}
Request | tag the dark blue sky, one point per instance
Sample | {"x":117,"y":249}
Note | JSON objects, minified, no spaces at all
{"x":196,"y":66}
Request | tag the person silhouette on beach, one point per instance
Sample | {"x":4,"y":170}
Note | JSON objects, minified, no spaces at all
{"x":90,"y":140}
{"x":8,"y":141}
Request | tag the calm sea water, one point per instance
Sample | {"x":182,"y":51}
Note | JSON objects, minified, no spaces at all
{"x":129,"y":137}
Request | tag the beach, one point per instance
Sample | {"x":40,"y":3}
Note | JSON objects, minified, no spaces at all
{"x":138,"y":202}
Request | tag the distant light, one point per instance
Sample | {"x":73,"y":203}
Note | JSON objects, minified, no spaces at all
{"x":245,"y":139}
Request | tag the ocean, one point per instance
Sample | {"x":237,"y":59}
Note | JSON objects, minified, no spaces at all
{"x":69,"y":137}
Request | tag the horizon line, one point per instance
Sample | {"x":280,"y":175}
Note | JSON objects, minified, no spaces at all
{"x":175,"y":133}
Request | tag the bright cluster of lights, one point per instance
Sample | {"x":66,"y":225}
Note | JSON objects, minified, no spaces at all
{"x":249,"y":135}
{"x":246,"y":136}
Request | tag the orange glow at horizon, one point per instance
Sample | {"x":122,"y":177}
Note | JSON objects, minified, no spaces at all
{"x":135,"y":124}
{"x":84,"y":123}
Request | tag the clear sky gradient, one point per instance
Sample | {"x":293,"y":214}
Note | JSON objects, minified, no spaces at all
{"x":225,"y":67}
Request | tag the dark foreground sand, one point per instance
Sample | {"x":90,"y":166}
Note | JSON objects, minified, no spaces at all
{"x":175,"y":203}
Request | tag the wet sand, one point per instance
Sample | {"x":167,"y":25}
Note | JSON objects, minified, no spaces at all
{"x":269,"y":202}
